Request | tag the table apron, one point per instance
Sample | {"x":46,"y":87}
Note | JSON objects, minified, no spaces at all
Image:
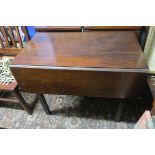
{"x":81,"y":83}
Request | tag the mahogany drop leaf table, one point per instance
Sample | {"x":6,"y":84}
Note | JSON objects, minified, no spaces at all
{"x":100,"y":64}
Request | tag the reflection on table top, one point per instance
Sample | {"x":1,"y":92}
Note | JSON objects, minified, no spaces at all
{"x":110,"y":49}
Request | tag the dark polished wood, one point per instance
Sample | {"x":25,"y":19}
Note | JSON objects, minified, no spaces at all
{"x":19,"y":37}
{"x":5,"y":36}
{"x":104,"y":64}
{"x":44,"y":103}
{"x":78,"y":28}
{"x":9,"y":51}
{"x":78,"y":82}
{"x":114,"y":50}
{"x":120,"y":111}
{"x":12,"y":36}
{"x":57,"y":28}
{"x":1,"y":42}
{"x":13,"y":88}
{"x":28,"y":108}
{"x":136,"y":29}
{"x":112,"y":27}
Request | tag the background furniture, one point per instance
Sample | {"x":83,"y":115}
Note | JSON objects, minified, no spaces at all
{"x":11,"y":47}
{"x":85,"y":28}
{"x":140,"y":31}
{"x":58,"y":28}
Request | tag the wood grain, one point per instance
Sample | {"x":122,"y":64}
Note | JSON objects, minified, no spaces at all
{"x":82,"y":83}
{"x":19,"y":37}
{"x":90,"y":49}
{"x":57,"y":28}
{"x":10,"y":51}
{"x":5,"y":36}
{"x":12,"y":36}
{"x":1,"y":42}
{"x":102,"y":64}
{"x":112,"y":27}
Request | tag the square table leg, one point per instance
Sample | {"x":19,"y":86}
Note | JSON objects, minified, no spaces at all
{"x":44,"y":104}
{"x":119,"y":112}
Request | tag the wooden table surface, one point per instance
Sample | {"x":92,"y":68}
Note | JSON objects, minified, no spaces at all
{"x":115,"y":50}
{"x":102,"y":64}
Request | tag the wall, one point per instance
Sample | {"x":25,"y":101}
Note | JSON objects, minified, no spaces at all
{"x":149,"y":50}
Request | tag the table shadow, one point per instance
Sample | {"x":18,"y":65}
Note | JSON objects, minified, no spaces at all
{"x":101,"y":108}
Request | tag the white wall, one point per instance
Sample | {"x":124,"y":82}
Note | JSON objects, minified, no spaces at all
{"x":150,"y":49}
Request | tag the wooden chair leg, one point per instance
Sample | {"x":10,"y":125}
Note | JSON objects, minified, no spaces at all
{"x":119,"y":111}
{"x":44,"y":104}
{"x":23,"y":103}
{"x":153,"y":108}
{"x":32,"y":104}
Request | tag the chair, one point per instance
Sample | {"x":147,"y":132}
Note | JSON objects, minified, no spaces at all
{"x":11,"y":43}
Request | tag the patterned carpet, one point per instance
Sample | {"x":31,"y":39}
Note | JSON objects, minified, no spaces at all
{"x":72,"y":112}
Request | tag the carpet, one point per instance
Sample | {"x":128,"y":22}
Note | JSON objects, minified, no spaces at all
{"x":72,"y":112}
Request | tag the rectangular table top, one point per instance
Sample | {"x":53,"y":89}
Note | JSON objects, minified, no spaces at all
{"x":110,"y":49}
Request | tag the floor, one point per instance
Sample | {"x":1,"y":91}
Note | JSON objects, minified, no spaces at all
{"x":72,"y":112}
